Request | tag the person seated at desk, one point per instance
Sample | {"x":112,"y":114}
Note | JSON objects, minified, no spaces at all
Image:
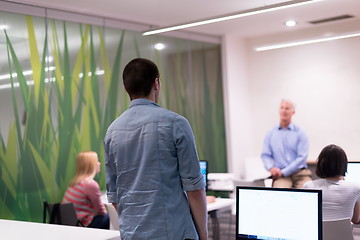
{"x":84,"y":192}
{"x":341,"y":199}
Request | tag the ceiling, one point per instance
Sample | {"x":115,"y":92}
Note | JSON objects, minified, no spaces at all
{"x":161,"y":13}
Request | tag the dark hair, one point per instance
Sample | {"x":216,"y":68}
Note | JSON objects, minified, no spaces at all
{"x":139,"y":76}
{"x":332,"y":162}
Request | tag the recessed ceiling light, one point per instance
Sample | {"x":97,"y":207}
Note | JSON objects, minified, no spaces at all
{"x":290,"y":23}
{"x":159,"y":46}
{"x":4,"y":27}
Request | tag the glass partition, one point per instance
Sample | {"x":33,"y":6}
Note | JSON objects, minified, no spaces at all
{"x":61,"y":87}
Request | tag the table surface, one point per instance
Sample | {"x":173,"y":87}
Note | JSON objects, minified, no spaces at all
{"x":17,"y":230}
{"x":218,"y":204}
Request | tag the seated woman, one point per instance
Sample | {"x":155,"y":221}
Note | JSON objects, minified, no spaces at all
{"x":341,"y":199}
{"x":84,"y":192}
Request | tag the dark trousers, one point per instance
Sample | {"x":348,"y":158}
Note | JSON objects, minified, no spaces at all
{"x":100,"y":222}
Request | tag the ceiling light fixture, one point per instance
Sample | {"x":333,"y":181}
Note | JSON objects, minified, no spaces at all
{"x":25,"y":73}
{"x":298,"y":43}
{"x":30,"y":82}
{"x":4,"y":27}
{"x":159,"y":46}
{"x":97,"y":72}
{"x":245,"y":13}
{"x":290,"y":23}
{"x":7,"y":76}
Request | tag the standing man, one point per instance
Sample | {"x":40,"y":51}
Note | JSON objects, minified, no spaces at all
{"x":285,"y":151}
{"x":152,"y":168}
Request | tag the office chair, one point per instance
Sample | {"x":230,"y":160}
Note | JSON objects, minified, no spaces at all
{"x":338,"y":229}
{"x":61,"y":213}
{"x":255,"y":174}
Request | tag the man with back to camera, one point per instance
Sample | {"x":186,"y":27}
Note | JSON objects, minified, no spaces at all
{"x":152,"y":168}
{"x":285,"y":151}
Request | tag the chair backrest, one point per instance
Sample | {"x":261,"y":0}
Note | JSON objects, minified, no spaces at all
{"x":61,"y":213}
{"x":254,"y":168}
{"x":339,"y":229}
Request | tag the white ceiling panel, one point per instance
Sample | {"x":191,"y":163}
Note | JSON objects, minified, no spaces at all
{"x":161,"y":13}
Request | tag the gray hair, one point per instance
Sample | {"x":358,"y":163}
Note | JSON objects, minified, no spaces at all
{"x":288,"y":101}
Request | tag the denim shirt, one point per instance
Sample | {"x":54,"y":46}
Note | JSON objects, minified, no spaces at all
{"x":286,"y":149}
{"x":151,"y":161}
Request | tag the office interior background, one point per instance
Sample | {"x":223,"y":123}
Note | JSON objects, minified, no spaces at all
{"x":60,"y":80}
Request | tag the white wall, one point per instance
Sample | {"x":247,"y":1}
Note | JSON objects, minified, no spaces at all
{"x":323,"y":80}
{"x":236,"y":101}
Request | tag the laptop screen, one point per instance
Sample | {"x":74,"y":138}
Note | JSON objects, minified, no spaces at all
{"x":353,"y":172}
{"x":204,"y":171}
{"x":278,"y":213}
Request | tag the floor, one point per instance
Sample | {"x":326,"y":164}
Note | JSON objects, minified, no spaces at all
{"x":227,"y":227}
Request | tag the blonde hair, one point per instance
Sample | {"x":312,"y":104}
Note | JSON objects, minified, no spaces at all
{"x":86,"y":164}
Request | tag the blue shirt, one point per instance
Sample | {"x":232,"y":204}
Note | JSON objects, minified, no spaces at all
{"x":151,"y":161}
{"x":286,"y":149}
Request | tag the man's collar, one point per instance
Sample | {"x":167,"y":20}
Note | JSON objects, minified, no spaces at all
{"x":291,"y":126}
{"x":142,"y":101}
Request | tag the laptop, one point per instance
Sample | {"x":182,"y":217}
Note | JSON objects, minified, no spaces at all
{"x":353,"y":172}
{"x":278,"y":213}
{"x":204,"y":171}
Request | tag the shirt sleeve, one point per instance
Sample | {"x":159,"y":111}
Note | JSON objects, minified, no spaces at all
{"x":92,"y":190}
{"x":266,"y":154}
{"x":308,"y":185}
{"x":358,"y":192}
{"x":189,"y":168}
{"x":110,"y":174}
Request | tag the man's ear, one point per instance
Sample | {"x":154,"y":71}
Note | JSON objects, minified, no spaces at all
{"x":157,"y":84}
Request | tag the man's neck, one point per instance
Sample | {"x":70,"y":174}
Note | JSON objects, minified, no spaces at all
{"x":284,"y":125}
{"x":150,"y":97}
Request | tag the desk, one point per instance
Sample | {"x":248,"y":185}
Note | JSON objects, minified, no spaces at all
{"x":214,"y":209}
{"x":220,"y":204}
{"x":18,"y":230}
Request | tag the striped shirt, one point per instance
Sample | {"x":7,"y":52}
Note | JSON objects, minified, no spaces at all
{"x":339,"y":197}
{"x":86,"y":199}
